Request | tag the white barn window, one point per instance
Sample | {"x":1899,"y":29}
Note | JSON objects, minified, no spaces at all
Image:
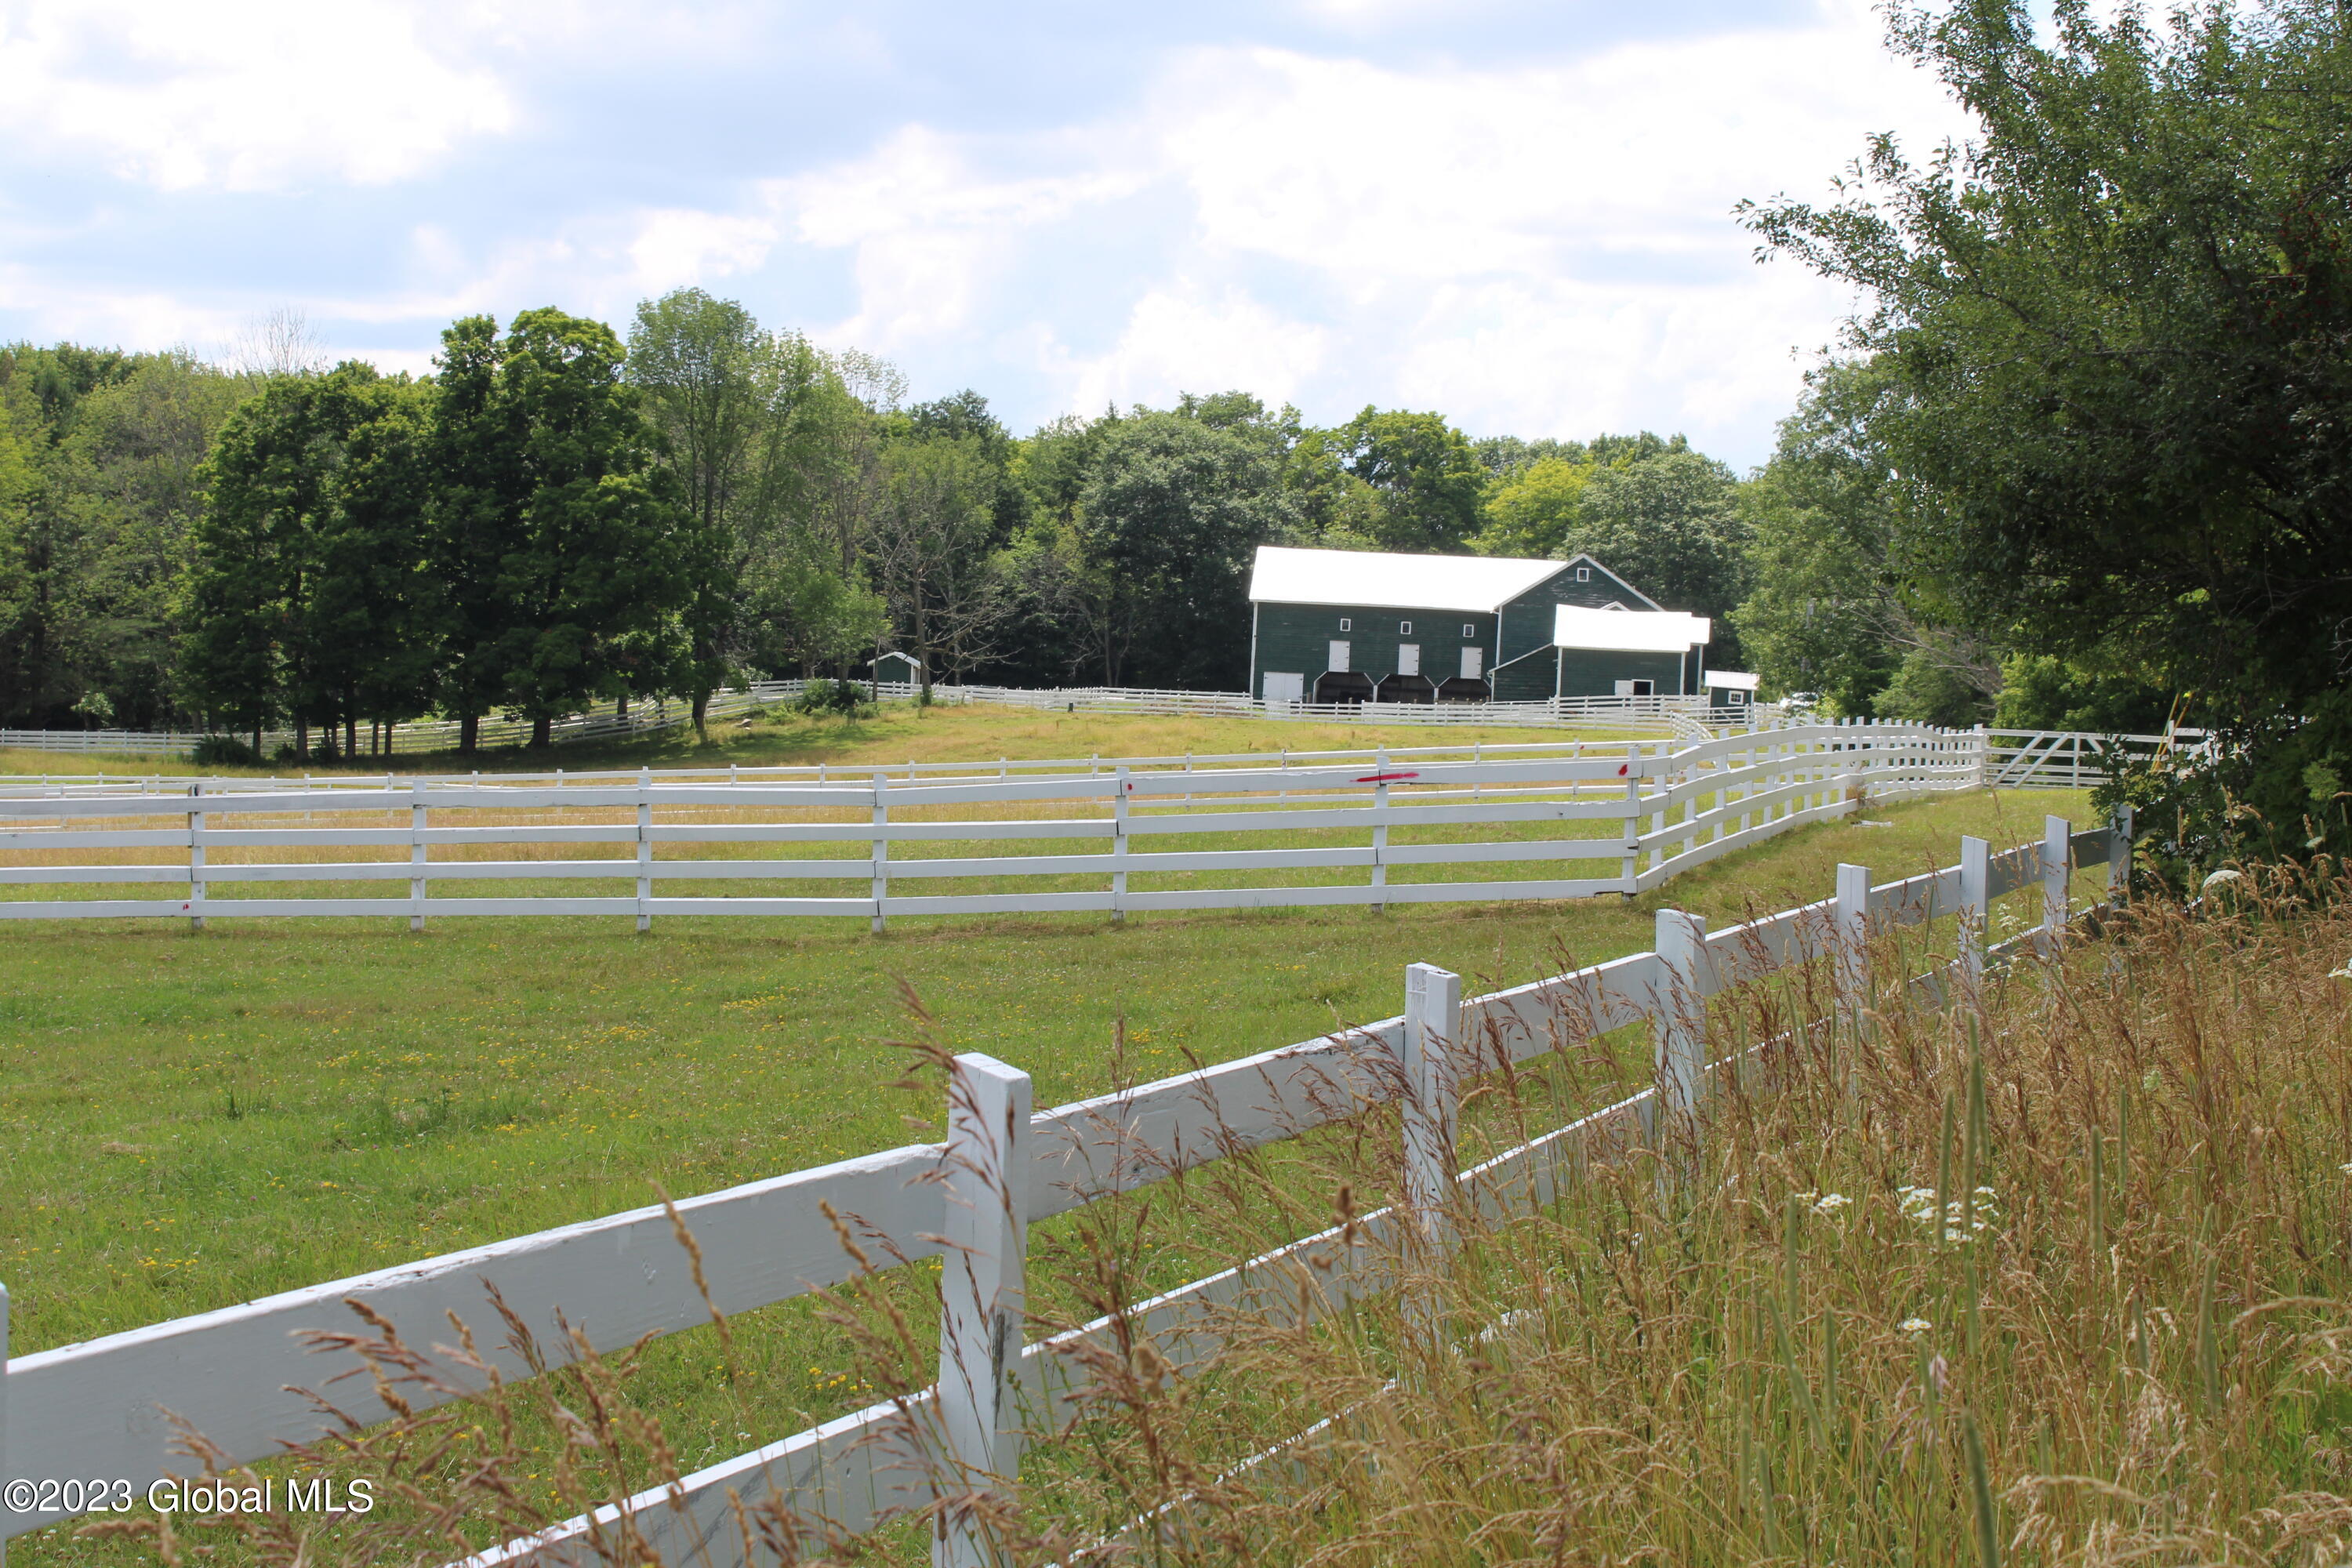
{"x":1346,"y":624}
{"x":1404,"y":628}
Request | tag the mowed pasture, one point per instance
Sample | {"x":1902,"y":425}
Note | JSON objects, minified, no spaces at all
{"x":194,"y":1120}
{"x":898,"y":733}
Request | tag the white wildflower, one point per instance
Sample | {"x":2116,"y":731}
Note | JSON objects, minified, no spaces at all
{"x":1960,"y":1219}
{"x":1828,"y":1204}
{"x":1914,"y":1327}
{"x":2346,"y":1167}
{"x":2342,"y":973}
{"x":2220,"y":879}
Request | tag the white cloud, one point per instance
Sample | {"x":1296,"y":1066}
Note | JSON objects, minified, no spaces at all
{"x":1200,"y":340}
{"x":1550,"y":248}
{"x":154,"y":317}
{"x":680,"y":246}
{"x":1546,"y":248}
{"x":1543,"y":247}
{"x":931,"y":227}
{"x":255,"y":95}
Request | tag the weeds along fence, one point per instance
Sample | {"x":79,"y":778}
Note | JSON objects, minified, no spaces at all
{"x":1609,"y":820}
{"x":238,"y":1376}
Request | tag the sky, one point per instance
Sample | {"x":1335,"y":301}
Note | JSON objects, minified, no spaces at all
{"x":1517,"y":213}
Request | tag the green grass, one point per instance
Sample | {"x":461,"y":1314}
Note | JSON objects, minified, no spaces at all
{"x":191,"y":1120}
{"x":901,"y":732}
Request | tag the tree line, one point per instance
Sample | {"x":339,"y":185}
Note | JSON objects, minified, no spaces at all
{"x":2087,"y":452}
{"x":2080,"y":463}
{"x":559,"y":516}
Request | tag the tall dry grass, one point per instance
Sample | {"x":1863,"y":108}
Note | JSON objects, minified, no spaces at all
{"x":2056,"y":1273}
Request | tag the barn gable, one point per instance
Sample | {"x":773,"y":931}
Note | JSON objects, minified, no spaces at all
{"x":1351,"y":625}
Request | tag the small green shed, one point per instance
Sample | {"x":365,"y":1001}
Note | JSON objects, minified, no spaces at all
{"x":1730,"y":687}
{"x":1350,"y":625}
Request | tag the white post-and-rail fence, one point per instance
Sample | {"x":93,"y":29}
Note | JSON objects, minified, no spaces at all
{"x":1646,"y":811}
{"x":96,"y":1409}
{"x":2070,"y":759}
{"x":2014,"y":759}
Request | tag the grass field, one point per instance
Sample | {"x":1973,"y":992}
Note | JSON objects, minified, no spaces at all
{"x":899,"y":733}
{"x":187,"y":1121}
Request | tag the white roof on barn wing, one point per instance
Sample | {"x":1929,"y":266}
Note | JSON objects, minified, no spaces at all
{"x":1730,"y":680}
{"x":1471,"y":584}
{"x":1627,"y":631}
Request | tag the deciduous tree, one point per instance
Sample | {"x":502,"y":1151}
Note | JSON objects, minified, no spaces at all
{"x":561,"y":537}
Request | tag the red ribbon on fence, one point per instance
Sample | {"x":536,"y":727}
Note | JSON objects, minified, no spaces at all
{"x":1385,"y":778}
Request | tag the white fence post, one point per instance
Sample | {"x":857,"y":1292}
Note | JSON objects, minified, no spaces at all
{"x":1678,"y":1027}
{"x":2119,"y":856}
{"x":1976,"y":907}
{"x":1432,"y":1091}
{"x":982,"y":1288}
{"x":1118,"y":848}
{"x":415,"y":857}
{"x":1658,"y":853}
{"x":881,"y":847}
{"x":1381,"y":829}
{"x":1850,"y":928}
{"x":1632,"y":870}
{"x":197,"y":860}
{"x":2057,"y":869}
{"x":8,"y":1466}
{"x":645,"y":847}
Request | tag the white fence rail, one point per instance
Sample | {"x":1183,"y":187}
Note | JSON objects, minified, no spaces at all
{"x":1611,"y":820}
{"x":96,"y":1409}
{"x":2071,"y":759}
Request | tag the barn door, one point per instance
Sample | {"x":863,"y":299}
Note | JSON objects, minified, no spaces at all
{"x":1285,"y":687}
{"x":1338,"y":659}
{"x":1408,"y":659}
{"x":1472,"y":663}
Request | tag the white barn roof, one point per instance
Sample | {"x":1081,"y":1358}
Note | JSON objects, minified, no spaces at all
{"x":1628,"y":631}
{"x":1730,"y":680}
{"x":1472,"y":584}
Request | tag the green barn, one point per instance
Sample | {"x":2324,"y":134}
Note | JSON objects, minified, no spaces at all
{"x":1347,"y":625}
